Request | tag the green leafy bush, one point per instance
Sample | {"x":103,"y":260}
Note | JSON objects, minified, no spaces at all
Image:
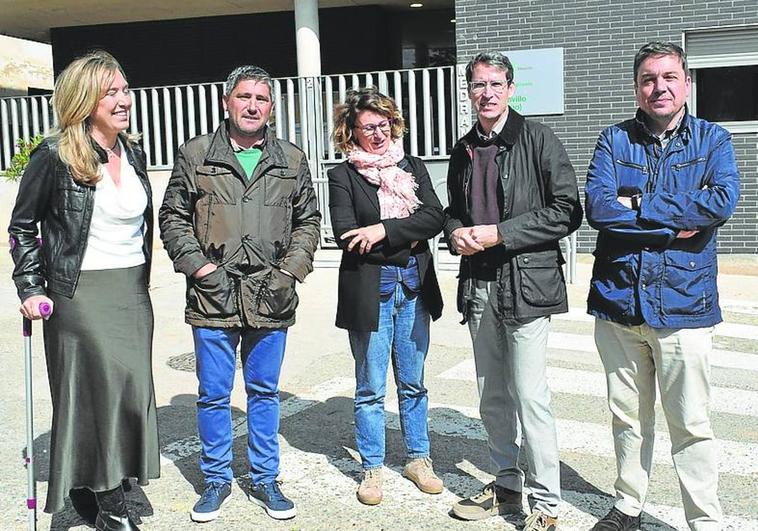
{"x":21,"y":158}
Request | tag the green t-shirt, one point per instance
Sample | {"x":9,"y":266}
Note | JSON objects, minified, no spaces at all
{"x":248,"y":159}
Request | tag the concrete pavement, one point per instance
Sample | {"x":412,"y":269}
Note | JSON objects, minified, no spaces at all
{"x":319,"y":462}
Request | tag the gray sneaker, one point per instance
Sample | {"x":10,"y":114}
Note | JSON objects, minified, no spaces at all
{"x":494,"y":500}
{"x":539,"y":521}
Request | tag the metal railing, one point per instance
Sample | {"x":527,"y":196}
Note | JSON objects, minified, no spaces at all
{"x":167,"y":116}
{"x":22,"y":118}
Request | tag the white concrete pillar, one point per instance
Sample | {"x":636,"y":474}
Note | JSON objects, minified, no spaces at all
{"x":308,"y":43}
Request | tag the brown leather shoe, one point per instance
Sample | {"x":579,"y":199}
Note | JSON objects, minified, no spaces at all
{"x":370,"y":489}
{"x":420,"y":471}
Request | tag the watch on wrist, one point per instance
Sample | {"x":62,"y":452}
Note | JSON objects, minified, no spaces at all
{"x":636,"y":201}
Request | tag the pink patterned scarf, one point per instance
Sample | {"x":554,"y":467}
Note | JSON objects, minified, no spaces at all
{"x":397,"y":188}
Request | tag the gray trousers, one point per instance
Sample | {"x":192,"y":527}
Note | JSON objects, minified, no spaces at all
{"x":635,"y":358}
{"x":514,"y":399}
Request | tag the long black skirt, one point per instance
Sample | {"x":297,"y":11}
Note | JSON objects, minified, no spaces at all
{"x":98,"y":346}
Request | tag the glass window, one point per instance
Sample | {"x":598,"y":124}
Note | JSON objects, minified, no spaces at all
{"x":727,"y":94}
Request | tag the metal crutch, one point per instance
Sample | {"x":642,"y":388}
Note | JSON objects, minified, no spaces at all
{"x":31,"y":485}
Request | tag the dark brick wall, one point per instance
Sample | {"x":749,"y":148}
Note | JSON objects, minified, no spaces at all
{"x":600,"y":39}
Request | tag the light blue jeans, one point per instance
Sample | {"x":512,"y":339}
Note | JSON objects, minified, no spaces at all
{"x":403,"y":334}
{"x":262,"y":354}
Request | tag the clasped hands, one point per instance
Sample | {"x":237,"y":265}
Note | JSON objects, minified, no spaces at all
{"x":471,"y":240}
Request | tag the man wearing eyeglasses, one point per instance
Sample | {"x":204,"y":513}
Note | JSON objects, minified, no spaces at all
{"x":512,"y":196}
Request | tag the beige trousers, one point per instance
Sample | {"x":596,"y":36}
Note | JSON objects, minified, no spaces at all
{"x":635,"y":358}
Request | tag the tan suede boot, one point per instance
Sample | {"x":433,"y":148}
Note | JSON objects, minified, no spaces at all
{"x":421,"y":473}
{"x":370,"y":489}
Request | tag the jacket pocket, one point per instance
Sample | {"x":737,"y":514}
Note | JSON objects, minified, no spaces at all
{"x":541,"y":278}
{"x":693,"y":162}
{"x":279,"y":298}
{"x":634,"y":165}
{"x":280,"y":187}
{"x":221,"y":183}
{"x":71,"y":199}
{"x":688,"y":284}
{"x":611,"y":288}
{"x":213,"y":295}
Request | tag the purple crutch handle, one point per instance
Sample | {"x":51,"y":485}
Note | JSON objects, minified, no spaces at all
{"x":31,"y":503}
{"x":45,"y":309}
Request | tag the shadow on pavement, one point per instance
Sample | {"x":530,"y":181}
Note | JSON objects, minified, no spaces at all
{"x":67,"y":518}
{"x":177,"y":429}
{"x":327,"y":428}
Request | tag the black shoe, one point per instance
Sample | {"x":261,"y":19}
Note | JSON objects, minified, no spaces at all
{"x":113,"y":514}
{"x":615,"y":520}
{"x":85,"y":504}
{"x":110,"y":522}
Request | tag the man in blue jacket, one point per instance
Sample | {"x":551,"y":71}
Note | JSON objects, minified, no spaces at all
{"x":658,"y":187}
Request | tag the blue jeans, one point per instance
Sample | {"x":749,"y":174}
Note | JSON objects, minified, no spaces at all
{"x":262,"y":353}
{"x":403,"y":332}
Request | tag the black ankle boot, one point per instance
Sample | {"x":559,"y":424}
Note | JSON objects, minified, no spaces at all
{"x":85,"y":504}
{"x":112,"y":514}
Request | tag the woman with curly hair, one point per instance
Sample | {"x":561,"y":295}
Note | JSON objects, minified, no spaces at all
{"x":383,"y":210}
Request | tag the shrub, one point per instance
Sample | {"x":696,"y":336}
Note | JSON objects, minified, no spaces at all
{"x":21,"y":158}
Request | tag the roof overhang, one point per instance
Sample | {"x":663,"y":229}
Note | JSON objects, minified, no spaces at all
{"x":32,"y":19}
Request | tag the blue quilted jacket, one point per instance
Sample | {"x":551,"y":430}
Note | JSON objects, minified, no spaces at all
{"x":642,"y":271}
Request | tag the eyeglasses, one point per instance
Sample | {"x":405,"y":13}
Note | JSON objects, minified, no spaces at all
{"x":497,"y":86}
{"x":370,"y":129}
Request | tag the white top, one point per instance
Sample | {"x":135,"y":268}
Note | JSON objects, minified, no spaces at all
{"x":115,"y":233}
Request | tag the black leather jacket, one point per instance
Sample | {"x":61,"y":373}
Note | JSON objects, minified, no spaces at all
{"x":49,"y":195}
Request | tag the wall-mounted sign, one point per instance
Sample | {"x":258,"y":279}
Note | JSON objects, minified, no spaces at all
{"x":538,"y":75}
{"x":539,"y":80}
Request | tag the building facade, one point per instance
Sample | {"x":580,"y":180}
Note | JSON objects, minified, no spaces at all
{"x":378,"y":43}
{"x":599,"y":41}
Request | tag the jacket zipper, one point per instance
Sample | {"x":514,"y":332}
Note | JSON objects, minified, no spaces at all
{"x":208,"y":221}
{"x":643,"y":169}
{"x":688,"y":163}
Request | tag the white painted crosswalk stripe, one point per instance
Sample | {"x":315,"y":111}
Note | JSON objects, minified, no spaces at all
{"x":719,"y":358}
{"x":577,"y":511}
{"x":580,"y":382}
{"x":582,"y":437}
{"x":739,"y":306}
{"x":724,"y":329}
{"x":578,"y":508}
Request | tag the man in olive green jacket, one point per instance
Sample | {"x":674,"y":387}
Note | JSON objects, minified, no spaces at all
{"x":240,"y":220}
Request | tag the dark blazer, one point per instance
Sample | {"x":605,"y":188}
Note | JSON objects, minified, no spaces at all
{"x":353,"y":203}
